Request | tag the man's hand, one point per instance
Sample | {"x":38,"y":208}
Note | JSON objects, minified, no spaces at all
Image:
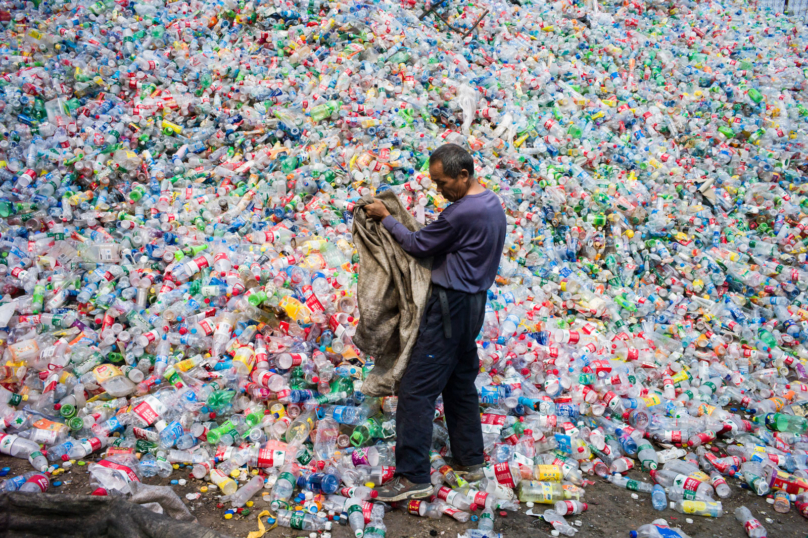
{"x":377,"y":210}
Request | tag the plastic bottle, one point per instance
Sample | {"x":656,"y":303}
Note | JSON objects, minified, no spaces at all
{"x":658,"y":529}
{"x":750,"y":524}
{"x":38,"y":483}
{"x":698,"y":508}
{"x":658,"y":499}
{"x":298,"y":520}
{"x":246,"y":492}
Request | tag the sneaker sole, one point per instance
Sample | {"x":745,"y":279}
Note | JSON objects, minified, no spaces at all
{"x":407,"y":495}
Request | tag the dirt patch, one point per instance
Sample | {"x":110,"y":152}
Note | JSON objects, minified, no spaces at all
{"x":612,"y":512}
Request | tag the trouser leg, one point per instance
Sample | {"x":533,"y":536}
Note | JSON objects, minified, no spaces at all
{"x":460,"y":400}
{"x":430,"y":366}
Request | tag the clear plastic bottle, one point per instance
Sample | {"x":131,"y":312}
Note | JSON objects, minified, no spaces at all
{"x":750,"y":524}
{"x":297,"y":520}
{"x":246,"y":492}
{"x":658,"y":499}
{"x":698,"y":508}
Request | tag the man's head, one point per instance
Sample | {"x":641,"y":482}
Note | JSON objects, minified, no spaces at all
{"x":452,"y":169}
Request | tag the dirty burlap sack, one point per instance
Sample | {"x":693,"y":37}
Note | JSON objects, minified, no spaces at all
{"x":392,"y":293}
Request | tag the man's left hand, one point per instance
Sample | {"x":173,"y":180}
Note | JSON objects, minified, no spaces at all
{"x":377,"y":210}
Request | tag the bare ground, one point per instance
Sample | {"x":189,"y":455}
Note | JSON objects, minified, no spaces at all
{"x":612,"y":512}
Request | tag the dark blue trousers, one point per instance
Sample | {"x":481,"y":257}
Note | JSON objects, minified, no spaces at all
{"x":444,"y":361}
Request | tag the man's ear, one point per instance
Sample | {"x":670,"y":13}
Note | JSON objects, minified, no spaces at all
{"x":464,"y":176}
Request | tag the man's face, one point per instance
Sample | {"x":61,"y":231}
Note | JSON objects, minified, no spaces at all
{"x":453,"y":189}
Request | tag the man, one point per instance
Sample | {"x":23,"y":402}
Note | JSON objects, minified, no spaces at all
{"x":466,"y":245}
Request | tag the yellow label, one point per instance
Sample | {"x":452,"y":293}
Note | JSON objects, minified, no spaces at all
{"x":105,"y":372}
{"x":545,"y":496}
{"x":549,"y":473}
{"x":706,"y":409}
{"x":295,"y":309}
{"x":246,"y":356}
{"x":694,"y":507}
{"x":652,"y":400}
{"x":187,"y":364}
{"x":679,"y":377}
{"x":700,"y":476}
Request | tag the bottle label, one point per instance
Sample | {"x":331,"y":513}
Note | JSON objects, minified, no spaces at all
{"x":492,"y":423}
{"x":447,"y":494}
{"x":387,"y":473}
{"x":125,"y":472}
{"x":545,"y":495}
{"x":353,"y":509}
{"x":694,"y":507}
{"x":502,"y":472}
{"x":268,"y":457}
{"x":665,"y":532}
{"x":521,"y":459}
{"x":751,"y":525}
{"x":105,"y":372}
{"x":376,"y":531}
{"x":149,"y":410}
{"x":297,"y":520}
{"x":338,"y":413}
{"x":45,"y":424}
{"x":549,"y":473}
{"x":479,"y":497}
{"x":40,"y":480}
{"x":450,"y":510}
{"x":688,"y":485}
{"x":414,"y":507}
{"x":789,"y":483}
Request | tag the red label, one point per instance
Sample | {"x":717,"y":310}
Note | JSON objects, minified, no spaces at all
{"x":480,"y":497}
{"x":207,"y":327}
{"x":40,"y":480}
{"x":266,"y":458}
{"x":502,"y":471}
{"x":145,"y":411}
{"x":496,"y":420}
{"x":387,"y":473}
{"x":130,"y":474}
{"x":414,"y":507}
{"x":691,"y":484}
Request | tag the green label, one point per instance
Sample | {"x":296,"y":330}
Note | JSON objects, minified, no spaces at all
{"x":296,"y":521}
{"x":354,"y":508}
{"x":375,"y":531}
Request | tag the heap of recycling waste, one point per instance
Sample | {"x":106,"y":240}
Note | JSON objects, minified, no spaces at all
{"x":177,"y":182}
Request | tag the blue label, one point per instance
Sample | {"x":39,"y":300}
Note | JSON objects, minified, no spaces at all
{"x":114,"y":424}
{"x":338,"y":412}
{"x":564,"y":443}
{"x":665,"y":532}
{"x":567,"y":410}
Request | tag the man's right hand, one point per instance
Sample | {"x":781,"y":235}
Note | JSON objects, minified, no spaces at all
{"x":377,"y":210}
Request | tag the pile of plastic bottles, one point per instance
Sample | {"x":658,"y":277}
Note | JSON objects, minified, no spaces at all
{"x":176,"y":190}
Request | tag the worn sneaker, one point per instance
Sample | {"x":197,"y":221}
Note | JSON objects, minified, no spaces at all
{"x":400,"y":489}
{"x":470,"y":473}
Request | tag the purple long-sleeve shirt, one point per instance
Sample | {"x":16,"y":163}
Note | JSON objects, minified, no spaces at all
{"x":465,"y":242}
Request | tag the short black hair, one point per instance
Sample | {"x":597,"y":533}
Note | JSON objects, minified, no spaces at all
{"x":454,"y":159}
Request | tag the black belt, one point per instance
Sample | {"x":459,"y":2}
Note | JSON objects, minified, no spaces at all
{"x":444,"y":307}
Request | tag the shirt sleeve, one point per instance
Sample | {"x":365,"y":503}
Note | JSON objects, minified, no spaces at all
{"x":436,"y":238}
